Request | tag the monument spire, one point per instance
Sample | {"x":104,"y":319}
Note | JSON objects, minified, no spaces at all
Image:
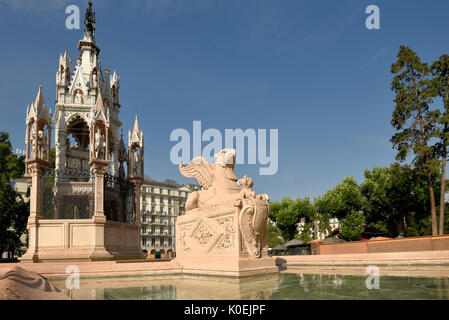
{"x":89,"y":23}
{"x":88,"y":41}
{"x":136,"y":126}
{"x":39,"y":103}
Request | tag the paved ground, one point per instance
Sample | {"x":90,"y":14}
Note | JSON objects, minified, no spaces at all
{"x":98,"y":268}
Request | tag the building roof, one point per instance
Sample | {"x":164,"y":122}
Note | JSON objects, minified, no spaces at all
{"x":295,"y":243}
{"x":166,"y":183}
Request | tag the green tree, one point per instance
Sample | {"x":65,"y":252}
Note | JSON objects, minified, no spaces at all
{"x":13,"y":209}
{"x":412,"y":118}
{"x":288,"y":213}
{"x":353,"y":225}
{"x":397,"y":198}
{"x":440,"y":84}
{"x":274,"y":236}
{"x":340,"y":201}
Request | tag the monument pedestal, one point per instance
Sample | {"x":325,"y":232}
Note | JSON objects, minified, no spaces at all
{"x":209,"y":241}
{"x":84,"y":240}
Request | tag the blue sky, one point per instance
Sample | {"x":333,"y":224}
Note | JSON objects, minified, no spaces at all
{"x":308,"y":68}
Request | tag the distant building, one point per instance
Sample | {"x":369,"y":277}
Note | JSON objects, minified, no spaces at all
{"x":161,"y":203}
{"x":333,"y":223}
{"x":20,"y":185}
{"x":194,"y":187}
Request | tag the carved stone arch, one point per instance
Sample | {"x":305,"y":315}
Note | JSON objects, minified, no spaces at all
{"x":78,"y":127}
{"x":77,"y":115}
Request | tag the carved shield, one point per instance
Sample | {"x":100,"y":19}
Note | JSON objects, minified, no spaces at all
{"x":253,"y":224}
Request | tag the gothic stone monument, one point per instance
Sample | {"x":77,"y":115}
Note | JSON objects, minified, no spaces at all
{"x":224,"y":229}
{"x":86,"y":207}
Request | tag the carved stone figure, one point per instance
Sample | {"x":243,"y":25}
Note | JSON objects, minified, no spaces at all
{"x":100,"y":145}
{"x":223,"y":192}
{"x":137,"y":163}
{"x":32,"y":142}
{"x":94,"y":80}
{"x":216,"y":179}
{"x":68,"y":144}
{"x":41,"y":145}
{"x":61,"y":77}
{"x":78,"y":97}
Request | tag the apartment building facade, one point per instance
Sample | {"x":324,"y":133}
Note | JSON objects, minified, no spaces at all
{"x":161,"y":203}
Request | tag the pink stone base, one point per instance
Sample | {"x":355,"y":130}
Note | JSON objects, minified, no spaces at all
{"x":440,"y":257}
{"x":83,"y":240}
{"x":61,"y":255}
{"x":227,"y":266}
{"x":209,"y":242}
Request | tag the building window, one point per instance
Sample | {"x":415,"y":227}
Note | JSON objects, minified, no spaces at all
{"x":144,"y":230}
{"x":153,"y":198}
{"x":143,"y":218}
{"x":153,"y":208}
{"x":169,"y":241}
{"x":144,"y":197}
{"x":169,"y":210}
{"x":144,"y":241}
{"x":144,"y":208}
{"x":161,"y":199}
{"x":153,"y":241}
{"x":152,"y":189}
{"x":160,"y":190}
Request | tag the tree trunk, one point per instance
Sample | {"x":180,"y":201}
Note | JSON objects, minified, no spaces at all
{"x":315,"y":229}
{"x":443,"y":192}
{"x":433,"y":208}
{"x":432,"y":204}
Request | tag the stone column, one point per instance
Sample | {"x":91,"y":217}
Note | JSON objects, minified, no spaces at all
{"x":36,"y":167}
{"x":138,"y":185}
{"x":99,"y":251}
{"x":99,"y":171}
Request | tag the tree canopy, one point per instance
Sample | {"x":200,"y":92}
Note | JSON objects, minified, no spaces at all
{"x":13,"y":209}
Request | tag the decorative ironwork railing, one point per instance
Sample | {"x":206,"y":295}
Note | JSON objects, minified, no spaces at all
{"x":70,"y":194}
{"x":67,"y":194}
{"x":119,"y":199}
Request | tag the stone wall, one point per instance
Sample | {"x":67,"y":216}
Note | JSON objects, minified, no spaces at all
{"x":381,"y":246}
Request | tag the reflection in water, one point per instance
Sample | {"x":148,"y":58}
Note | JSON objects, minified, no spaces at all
{"x":162,"y":292}
{"x":284,"y":286}
{"x":336,"y":287}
